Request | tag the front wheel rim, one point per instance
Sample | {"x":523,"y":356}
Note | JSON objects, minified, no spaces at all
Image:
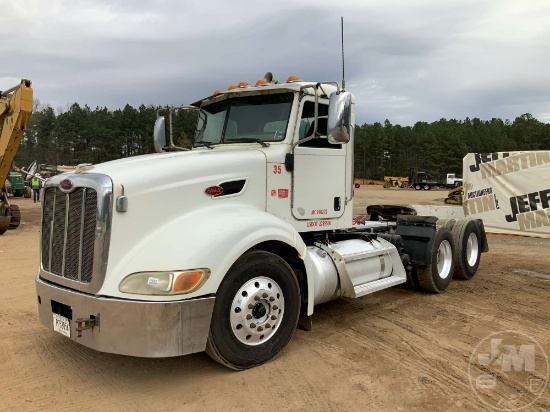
{"x":257,"y":311}
{"x":472,"y":249}
{"x":444,"y":259}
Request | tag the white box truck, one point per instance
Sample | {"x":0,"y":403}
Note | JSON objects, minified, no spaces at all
{"x":245,"y":234}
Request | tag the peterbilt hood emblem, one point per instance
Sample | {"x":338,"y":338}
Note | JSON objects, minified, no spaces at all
{"x":214,"y":190}
{"x":66,"y":184}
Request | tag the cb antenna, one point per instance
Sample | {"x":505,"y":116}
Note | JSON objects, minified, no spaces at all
{"x":343,"y":77}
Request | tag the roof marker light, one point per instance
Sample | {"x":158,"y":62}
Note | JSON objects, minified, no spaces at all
{"x":262,"y":82}
{"x":217,"y":92}
{"x":292,"y":79}
{"x":232,"y":87}
{"x":243,"y":85}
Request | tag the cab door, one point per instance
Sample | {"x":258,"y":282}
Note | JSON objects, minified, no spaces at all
{"x":319,"y":176}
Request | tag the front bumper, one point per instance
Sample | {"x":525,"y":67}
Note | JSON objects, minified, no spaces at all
{"x":130,"y":327}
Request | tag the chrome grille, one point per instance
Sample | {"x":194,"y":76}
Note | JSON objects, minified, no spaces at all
{"x":68,"y":233}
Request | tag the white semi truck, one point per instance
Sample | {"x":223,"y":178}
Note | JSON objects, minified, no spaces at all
{"x":247,"y":232}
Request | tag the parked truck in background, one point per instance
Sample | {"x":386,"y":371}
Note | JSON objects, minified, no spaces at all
{"x":248,"y":231}
{"x":15,"y":111}
{"x":422,"y":181}
{"x":453,"y":181}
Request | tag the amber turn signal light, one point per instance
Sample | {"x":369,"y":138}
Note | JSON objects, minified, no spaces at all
{"x":187,"y":281}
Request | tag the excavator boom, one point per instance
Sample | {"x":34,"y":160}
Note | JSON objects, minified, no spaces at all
{"x":15,"y":111}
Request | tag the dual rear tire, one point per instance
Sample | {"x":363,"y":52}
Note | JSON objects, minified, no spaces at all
{"x":467,"y":239}
{"x":456,"y":252}
{"x":436,"y":277}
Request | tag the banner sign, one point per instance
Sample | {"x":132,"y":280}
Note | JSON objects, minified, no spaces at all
{"x":510,"y":191}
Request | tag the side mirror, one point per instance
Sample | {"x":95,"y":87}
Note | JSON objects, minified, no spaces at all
{"x":159,"y":134}
{"x":339,"y":118}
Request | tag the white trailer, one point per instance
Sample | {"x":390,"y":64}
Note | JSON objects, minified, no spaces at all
{"x":242,"y":237}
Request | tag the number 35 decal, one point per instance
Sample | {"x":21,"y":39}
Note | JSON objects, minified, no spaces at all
{"x":276,"y":169}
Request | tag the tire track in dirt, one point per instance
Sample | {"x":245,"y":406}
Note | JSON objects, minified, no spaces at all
{"x":395,"y":350}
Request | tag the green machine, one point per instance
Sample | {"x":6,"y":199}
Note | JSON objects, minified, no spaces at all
{"x":18,"y":187}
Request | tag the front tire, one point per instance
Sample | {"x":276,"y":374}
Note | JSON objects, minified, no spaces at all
{"x":417,"y":187}
{"x":427,"y":187}
{"x":437,"y":276}
{"x":256,"y":311}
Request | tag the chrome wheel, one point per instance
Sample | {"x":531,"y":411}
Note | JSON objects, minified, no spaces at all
{"x":472,"y":249}
{"x":444,"y":259}
{"x":256,"y":311}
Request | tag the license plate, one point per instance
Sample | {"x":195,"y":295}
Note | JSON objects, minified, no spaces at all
{"x":61,"y":324}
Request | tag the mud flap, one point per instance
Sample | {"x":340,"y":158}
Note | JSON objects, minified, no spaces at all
{"x":484,"y":242}
{"x":418,"y":236}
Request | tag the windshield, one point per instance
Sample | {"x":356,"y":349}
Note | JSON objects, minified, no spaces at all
{"x":244,"y":119}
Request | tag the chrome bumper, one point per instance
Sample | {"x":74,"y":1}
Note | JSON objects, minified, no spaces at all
{"x":129,"y":327}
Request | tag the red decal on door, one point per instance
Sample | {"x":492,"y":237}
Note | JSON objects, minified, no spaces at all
{"x":273,"y":193}
{"x":283,"y":193}
{"x":319,"y":212}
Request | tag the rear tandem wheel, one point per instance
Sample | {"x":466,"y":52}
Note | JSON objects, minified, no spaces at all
{"x":436,"y":277}
{"x":467,"y":240}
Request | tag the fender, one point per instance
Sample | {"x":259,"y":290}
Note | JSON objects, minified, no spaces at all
{"x":213,"y":237}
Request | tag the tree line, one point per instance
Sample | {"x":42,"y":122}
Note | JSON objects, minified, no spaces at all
{"x":80,"y":134}
{"x":439,"y":147}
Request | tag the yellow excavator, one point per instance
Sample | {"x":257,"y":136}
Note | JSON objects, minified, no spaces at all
{"x":15,"y":111}
{"x":454,"y":197}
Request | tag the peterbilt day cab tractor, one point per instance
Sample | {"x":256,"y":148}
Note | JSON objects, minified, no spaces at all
{"x":247,"y":233}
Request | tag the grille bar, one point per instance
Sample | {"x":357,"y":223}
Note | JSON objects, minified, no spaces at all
{"x":82,"y":215}
{"x":67,"y":205}
{"x":68,"y":233}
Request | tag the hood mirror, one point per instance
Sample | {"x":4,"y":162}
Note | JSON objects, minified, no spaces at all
{"x":159,"y":134}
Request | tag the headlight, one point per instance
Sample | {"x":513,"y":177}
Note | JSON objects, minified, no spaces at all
{"x":164,"y":283}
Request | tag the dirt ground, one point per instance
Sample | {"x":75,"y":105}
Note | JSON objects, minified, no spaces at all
{"x":395,"y":350}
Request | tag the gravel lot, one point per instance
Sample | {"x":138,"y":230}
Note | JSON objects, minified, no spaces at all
{"x":395,"y":350}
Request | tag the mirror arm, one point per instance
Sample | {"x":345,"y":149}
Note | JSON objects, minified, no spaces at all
{"x":171,"y":146}
{"x":316,"y":121}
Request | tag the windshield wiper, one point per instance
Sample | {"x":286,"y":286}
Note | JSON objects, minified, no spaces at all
{"x":244,"y":140}
{"x":207,"y":144}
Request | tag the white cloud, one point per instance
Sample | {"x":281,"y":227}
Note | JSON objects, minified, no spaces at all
{"x":405,"y":61}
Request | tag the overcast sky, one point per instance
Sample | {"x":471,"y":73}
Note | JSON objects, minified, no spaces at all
{"x":406,"y":60}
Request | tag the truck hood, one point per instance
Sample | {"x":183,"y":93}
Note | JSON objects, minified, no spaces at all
{"x":155,"y":174}
{"x":163,"y":190}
